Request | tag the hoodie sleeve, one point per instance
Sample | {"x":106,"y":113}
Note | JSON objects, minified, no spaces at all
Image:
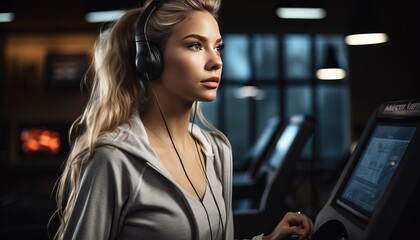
{"x":100,"y":198}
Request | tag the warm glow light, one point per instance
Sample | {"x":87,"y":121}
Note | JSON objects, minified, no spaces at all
{"x":40,"y":140}
{"x":366,"y":38}
{"x":6,"y":17}
{"x":301,"y":13}
{"x":103,"y":16}
{"x":331,"y":74}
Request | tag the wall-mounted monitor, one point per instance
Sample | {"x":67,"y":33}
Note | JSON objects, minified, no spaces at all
{"x":66,"y":71}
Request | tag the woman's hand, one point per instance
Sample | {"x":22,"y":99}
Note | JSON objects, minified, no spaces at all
{"x":293,"y":223}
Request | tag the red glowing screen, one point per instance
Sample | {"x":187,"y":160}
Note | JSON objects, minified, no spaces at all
{"x":40,"y":140}
{"x":43,"y":141}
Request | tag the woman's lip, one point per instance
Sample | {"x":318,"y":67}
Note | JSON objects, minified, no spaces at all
{"x":212,"y":79}
{"x":212,"y":82}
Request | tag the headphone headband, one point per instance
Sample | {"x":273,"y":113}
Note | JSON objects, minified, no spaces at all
{"x":141,"y":28}
{"x":148,"y":57}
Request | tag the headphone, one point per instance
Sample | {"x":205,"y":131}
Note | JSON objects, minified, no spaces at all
{"x":149,"y":61}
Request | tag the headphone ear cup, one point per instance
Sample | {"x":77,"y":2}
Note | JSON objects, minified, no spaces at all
{"x":155,"y":67}
{"x":149,"y":63}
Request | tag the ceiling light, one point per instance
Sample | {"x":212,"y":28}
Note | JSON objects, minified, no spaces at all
{"x":365,"y":26}
{"x":331,"y":69}
{"x":366,"y":38}
{"x":330,"y":74}
{"x":249,"y":92}
{"x":6,"y":16}
{"x":103,"y":16}
{"x":300,"y":13}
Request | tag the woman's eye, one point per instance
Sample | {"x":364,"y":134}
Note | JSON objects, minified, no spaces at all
{"x":195,"y":46}
{"x":219,"y":48}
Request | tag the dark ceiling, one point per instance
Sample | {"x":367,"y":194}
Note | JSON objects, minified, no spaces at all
{"x":235,"y":14}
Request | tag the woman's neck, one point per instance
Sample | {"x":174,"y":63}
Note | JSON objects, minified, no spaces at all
{"x":163,"y":115}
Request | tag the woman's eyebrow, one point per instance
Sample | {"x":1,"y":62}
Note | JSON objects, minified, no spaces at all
{"x":200,"y":37}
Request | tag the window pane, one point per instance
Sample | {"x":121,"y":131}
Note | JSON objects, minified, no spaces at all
{"x":267,"y":107}
{"x":210,"y":112}
{"x":298,"y":100}
{"x":297,"y":57}
{"x":333,"y":122}
{"x":236,"y":121}
{"x":236,"y":59}
{"x":265,"y":56}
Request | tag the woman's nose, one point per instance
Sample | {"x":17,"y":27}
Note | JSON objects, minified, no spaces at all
{"x":214,"y":62}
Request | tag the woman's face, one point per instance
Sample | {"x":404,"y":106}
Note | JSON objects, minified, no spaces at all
{"x":192,"y":60}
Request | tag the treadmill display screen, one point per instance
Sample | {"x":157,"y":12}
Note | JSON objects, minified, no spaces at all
{"x":373,"y":172}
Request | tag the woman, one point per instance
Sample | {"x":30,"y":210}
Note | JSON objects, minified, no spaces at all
{"x":138,"y":168}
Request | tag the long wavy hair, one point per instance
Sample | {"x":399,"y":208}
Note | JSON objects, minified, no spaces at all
{"x":115,"y":90}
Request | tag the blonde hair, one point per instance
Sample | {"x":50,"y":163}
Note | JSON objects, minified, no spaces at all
{"x":115,"y":90}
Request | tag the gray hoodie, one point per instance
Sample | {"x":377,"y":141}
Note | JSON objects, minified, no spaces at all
{"x":126,"y":193}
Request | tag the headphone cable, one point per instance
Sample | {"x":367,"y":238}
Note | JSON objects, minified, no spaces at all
{"x":202,"y":166}
{"x":183,"y":167}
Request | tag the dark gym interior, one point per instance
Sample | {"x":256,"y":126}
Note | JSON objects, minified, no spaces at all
{"x":45,"y":32}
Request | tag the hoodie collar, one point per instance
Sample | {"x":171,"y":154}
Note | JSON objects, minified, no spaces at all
{"x":132,"y":138}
